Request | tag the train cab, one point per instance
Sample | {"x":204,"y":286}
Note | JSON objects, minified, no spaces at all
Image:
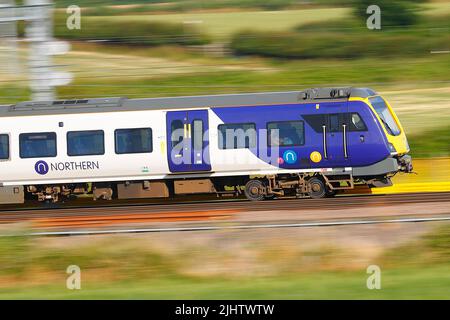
{"x":392,"y":128}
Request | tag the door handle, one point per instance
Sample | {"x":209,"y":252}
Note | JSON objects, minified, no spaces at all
{"x":189,"y":130}
{"x":344,"y":127}
{"x":324,"y":130}
{"x":185,"y":130}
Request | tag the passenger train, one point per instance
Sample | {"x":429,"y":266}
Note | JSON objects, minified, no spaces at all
{"x":315,"y":143}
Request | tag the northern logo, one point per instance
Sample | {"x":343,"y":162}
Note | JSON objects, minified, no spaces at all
{"x":41,"y":167}
{"x":290,"y":157}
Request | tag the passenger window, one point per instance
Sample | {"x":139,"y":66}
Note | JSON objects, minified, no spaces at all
{"x":356,"y":123}
{"x":237,"y":136}
{"x":85,"y":143}
{"x":4,"y":146}
{"x":37,"y":145}
{"x":286,"y":133}
{"x":197,"y":135}
{"x":133,"y":140}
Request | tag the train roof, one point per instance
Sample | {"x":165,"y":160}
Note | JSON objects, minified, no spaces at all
{"x":225,"y":100}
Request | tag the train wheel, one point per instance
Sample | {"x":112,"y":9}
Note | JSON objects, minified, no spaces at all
{"x":317,"y":188}
{"x":255,"y":190}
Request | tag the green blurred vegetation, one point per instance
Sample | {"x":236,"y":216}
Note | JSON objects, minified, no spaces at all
{"x":394,"y":12}
{"x":431,"y":249}
{"x":221,"y":25}
{"x":432,"y":143}
{"x":185,"y":5}
{"x":346,"y":38}
{"x":131,"y":269}
{"x":132,"y":32}
{"x":421,"y":283}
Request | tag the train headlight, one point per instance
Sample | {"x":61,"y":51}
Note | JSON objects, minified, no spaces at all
{"x":392,"y":149}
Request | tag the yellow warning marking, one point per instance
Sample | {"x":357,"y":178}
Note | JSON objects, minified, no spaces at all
{"x":414,"y":187}
{"x":432,"y":175}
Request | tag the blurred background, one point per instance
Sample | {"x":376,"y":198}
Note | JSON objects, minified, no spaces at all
{"x":152,"y":48}
{"x":192,"y":47}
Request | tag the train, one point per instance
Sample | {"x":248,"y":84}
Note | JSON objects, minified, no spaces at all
{"x":310,"y":143}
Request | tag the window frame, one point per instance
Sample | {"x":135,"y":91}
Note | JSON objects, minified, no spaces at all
{"x":141,"y":128}
{"x":36,"y":133}
{"x":9,"y":146}
{"x":285,"y":121}
{"x":84,"y":155}
{"x":219,"y":132}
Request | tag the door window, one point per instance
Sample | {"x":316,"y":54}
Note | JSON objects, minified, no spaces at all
{"x":197,"y":135}
{"x":177,"y":129}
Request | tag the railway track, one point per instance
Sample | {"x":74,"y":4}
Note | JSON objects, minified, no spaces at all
{"x":150,"y":214}
{"x":240,"y":227}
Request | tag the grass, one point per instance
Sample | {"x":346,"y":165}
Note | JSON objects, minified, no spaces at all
{"x":112,"y":71}
{"x":256,"y":76}
{"x":148,"y":33}
{"x":216,"y":4}
{"x":433,"y":143}
{"x":130,"y":268}
{"x":423,"y":283}
{"x":221,"y":25}
{"x":346,"y":38}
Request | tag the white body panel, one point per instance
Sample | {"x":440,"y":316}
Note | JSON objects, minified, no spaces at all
{"x":112,"y":166}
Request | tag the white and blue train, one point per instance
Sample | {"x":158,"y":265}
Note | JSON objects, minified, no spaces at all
{"x":314,"y":142}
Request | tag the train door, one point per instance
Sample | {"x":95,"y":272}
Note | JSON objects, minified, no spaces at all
{"x":336,"y":150}
{"x":336,"y":135}
{"x":188,"y":141}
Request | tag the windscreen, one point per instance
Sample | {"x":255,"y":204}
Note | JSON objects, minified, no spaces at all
{"x":385,"y":115}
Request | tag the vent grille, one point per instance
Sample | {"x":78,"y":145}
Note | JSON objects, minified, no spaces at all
{"x":68,"y":104}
